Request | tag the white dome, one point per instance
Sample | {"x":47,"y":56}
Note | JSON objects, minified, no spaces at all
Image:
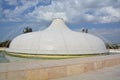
{"x":57,"y":39}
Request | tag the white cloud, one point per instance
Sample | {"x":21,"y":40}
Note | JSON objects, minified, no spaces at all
{"x":12,"y":2}
{"x":71,"y":11}
{"x":50,"y":15}
{"x":74,"y":11}
{"x":108,"y":14}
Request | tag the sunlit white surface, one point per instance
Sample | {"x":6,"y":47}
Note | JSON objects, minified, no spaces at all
{"x":57,"y":39}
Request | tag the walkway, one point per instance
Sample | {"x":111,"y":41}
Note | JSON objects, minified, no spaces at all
{"x":111,"y":73}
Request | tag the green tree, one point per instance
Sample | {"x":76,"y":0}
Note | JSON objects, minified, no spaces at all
{"x":5,"y":43}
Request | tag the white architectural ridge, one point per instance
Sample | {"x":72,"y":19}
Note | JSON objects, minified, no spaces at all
{"x":57,"y":39}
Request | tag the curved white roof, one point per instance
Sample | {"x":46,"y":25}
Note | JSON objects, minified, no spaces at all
{"x":57,"y":39}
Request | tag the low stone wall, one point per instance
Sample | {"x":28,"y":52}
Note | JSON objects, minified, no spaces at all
{"x":2,"y":48}
{"x":51,"y":69}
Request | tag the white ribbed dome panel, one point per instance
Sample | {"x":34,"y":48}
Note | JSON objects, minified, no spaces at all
{"x":57,"y":39}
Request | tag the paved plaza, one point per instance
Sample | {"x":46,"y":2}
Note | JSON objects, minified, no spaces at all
{"x":111,"y":73}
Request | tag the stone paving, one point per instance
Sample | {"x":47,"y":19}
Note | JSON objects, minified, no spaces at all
{"x":111,"y":73}
{"x":56,"y":69}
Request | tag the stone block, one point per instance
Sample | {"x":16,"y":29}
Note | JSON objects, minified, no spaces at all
{"x":16,"y":75}
{"x":89,"y":66}
{"x":16,"y":66}
{"x":36,"y":74}
{"x":75,"y":69}
{"x":113,"y":62}
{"x":56,"y":72}
{"x":98,"y":65}
{"x":109,"y":62}
{"x":3,"y":68}
{"x":118,"y":60}
{"x":3,"y":76}
{"x":32,"y":65}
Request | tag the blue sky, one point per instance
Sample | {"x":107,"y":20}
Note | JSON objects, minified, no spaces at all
{"x":101,"y":17}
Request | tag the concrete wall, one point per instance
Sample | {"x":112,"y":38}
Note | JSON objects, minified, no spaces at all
{"x":50,"y":69}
